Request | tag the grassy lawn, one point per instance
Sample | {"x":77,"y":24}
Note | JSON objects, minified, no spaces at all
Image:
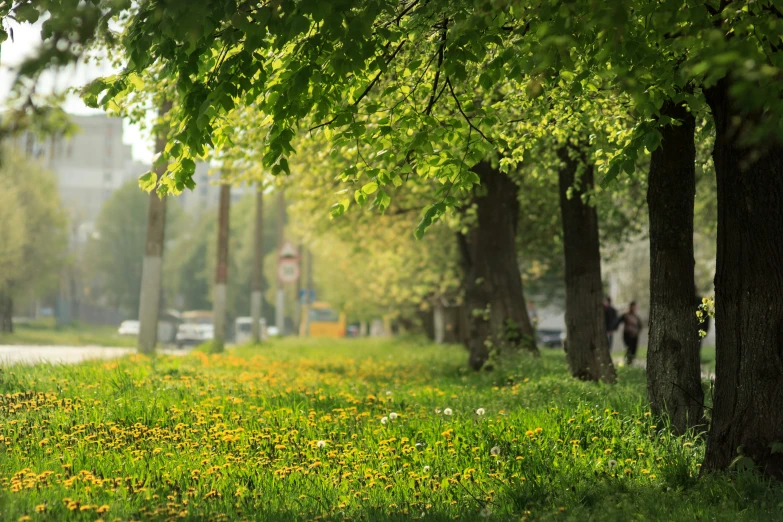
{"x":44,"y":332}
{"x":351,"y":430}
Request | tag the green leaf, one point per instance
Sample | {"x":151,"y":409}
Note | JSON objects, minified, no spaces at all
{"x":370,"y":187}
{"x":284,"y":166}
{"x":27,"y":13}
{"x":382,"y":200}
{"x":148,"y":181}
{"x":337,"y":210}
{"x":136,"y":81}
{"x":611,"y":175}
{"x":652,"y":140}
{"x":430,"y":215}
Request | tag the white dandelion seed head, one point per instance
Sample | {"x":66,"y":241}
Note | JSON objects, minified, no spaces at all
{"x":447,"y":411}
{"x":426,"y":469}
{"x":384,"y":420}
{"x":495,"y":450}
{"x":612,"y":464}
{"x":393,"y":415}
{"x":321,"y":444}
{"x":485,"y":512}
{"x":388,"y":392}
{"x":480,"y":411}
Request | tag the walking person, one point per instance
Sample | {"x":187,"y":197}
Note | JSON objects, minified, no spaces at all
{"x":632,"y":326}
{"x":610,"y":317}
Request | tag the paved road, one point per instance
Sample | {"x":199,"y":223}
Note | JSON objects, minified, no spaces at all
{"x":10,"y":354}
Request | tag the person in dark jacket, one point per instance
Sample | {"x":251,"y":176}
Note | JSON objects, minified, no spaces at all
{"x":610,"y":316}
{"x":632,"y":326}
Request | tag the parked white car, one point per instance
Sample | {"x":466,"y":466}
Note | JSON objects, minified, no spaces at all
{"x":243,"y":329}
{"x":129,"y":328}
{"x":192,"y":334}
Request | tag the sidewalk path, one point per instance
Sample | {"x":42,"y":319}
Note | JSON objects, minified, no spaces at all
{"x":10,"y":354}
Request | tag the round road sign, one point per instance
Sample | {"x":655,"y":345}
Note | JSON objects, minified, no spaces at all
{"x":287,"y":270}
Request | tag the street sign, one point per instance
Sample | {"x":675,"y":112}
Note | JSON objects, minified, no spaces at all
{"x":303,"y":296}
{"x":288,"y":251}
{"x":287,"y":270}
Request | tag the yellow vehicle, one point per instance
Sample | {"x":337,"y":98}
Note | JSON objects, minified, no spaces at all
{"x":322,"y":321}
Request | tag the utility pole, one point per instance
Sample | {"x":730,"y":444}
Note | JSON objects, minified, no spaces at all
{"x":256,"y":300}
{"x":221,"y":270}
{"x":151,"y":272}
{"x":279,"y":295}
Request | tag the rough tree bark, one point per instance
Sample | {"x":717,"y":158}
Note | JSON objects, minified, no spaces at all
{"x":673,"y":369}
{"x":747,"y":412}
{"x":221,"y":270}
{"x":493,"y":284}
{"x":587,"y":350}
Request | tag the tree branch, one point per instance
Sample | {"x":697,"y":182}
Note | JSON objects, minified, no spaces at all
{"x":402,"y":13}
{"x":441,"y":49}
{"x":368,"y":89}
{"x":459,"y":107}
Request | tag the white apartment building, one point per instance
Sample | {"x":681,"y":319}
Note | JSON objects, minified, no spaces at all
{"x":89,"y":165}
{"x":94,"y":162}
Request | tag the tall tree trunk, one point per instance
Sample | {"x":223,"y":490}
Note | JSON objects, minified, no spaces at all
{"x":6,"y":313}
{"x":152,"y":267}
{"x":673,"y":369}
{"x":587,"y":348}
{"x":256,"y":299}
{"x":221,"y":270}
{"x":279,"y":295}
{"x":747,"y":412}
{"x":494,"y":297}
{"x":439,"y":321}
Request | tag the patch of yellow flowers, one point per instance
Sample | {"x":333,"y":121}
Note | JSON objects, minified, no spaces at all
{"x":226,"y":436}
